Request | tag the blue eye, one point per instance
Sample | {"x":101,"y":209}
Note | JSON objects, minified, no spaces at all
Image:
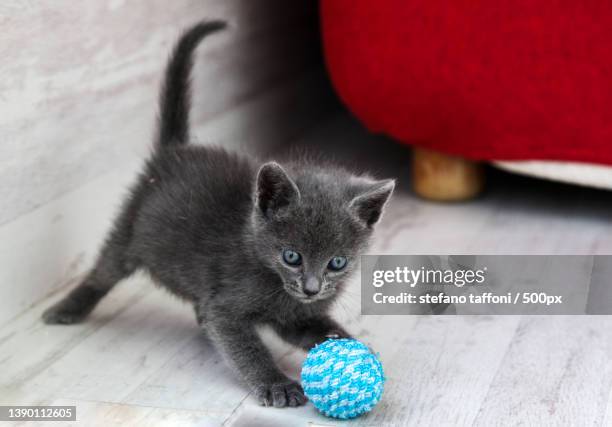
{"x":337,"y":263}
{"x":292,"y":257}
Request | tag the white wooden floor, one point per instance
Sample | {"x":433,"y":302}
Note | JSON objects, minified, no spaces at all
{"x":140,"y":359}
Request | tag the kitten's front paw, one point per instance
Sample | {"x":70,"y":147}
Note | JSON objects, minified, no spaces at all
{"x":280,"y":395}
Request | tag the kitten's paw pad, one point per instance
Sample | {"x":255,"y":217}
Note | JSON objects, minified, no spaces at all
{"x":60,"y":316}
{"x":281,"y":394}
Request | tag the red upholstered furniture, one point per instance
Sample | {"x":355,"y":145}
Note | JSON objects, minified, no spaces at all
{"x":498,"y":80}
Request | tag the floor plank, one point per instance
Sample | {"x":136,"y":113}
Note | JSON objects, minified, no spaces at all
{"x":103,"y":414}
{"x":29,"y":348}
{"x":558,"y":371}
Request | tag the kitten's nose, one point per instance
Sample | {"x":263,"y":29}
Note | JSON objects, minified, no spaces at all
{"x":311,"y":286}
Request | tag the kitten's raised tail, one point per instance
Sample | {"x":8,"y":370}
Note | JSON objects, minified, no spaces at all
{"x":175,"y":98}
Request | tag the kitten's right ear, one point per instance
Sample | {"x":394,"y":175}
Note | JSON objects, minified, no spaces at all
{"x":275,"y":190}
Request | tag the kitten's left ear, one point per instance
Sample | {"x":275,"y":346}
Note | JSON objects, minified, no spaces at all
{"x":368,"y":207}
{"x":275,"y":190}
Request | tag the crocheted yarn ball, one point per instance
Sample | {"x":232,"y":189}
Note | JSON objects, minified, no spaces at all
{"x":342,"y":378}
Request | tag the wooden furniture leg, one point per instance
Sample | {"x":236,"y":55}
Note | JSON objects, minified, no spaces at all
{"x":442,"y":177}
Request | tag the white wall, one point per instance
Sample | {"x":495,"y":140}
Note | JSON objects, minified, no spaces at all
{"x":78,"y":90}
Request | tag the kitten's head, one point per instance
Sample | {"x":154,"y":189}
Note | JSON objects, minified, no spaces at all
{"x":310,"y":226}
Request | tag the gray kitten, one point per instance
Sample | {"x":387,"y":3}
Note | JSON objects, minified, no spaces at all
{"x":247,"y":244}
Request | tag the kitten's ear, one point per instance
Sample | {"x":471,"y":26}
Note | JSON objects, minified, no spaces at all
{"x":275,"y":190}
{"x":368,"y":206}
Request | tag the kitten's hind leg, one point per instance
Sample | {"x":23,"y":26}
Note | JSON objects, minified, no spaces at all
{"x":110,"y":269}
{"x":114,"y":264}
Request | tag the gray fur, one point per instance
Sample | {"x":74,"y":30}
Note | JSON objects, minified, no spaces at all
{"x":210,"y":226}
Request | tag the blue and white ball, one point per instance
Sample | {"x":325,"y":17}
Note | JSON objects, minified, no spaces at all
{"x":342,"y":378}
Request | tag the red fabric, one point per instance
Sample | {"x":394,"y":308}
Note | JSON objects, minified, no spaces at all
{"x":505,"y":79}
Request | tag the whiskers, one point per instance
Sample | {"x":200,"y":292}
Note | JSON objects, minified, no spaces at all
{"x":327,"y":291}
{"x":294,"y":290}
{"x":274,"y":292}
